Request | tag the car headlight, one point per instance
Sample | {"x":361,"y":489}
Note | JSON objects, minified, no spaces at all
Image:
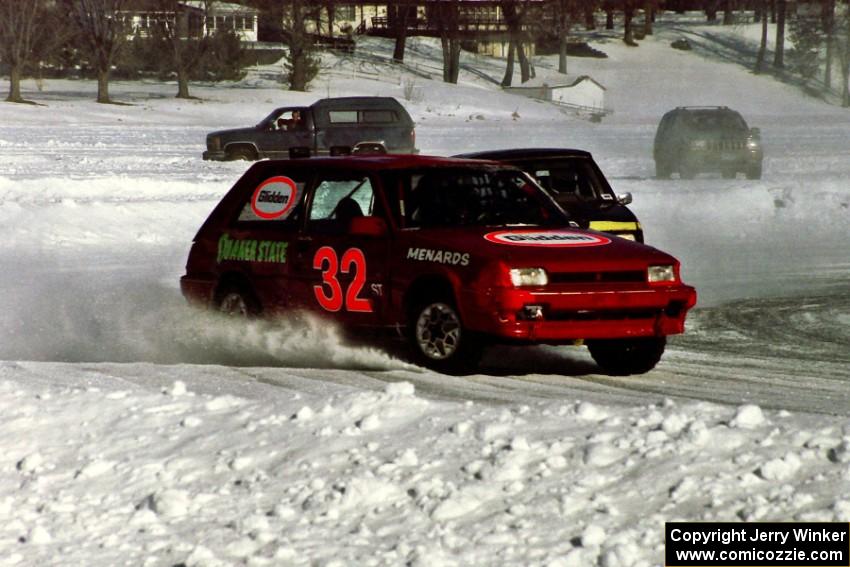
{"x":528,"y":276}
{"x":752,"y":144}
{"x":699,"y":144}
{"x":665,"y":273}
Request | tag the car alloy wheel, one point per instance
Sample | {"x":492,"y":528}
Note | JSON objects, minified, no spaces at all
{"x":438,"y":331}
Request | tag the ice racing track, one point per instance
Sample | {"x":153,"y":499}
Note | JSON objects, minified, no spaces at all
{"x":781,"y":352}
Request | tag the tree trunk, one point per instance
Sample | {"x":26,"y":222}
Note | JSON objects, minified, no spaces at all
{"x":14,"y":84}
{"x":779,"y":53}
{"x":763,"y":45}
{"x":711,"y":10}
{"x":401,"y":34}
{"x":628,"y":34}
{"x":103,"y":87}
{"x":647,"y":18}
{"x":297,"y":51}
{"x":589,"y":18}
{"x":454,"y":63}
{"x":829,"y":28}
{"x":728,"y":17}
{"x":524,"y":69}
{"x":609,"y":19}
{"x":183,"y":83}
{"x":509,"y":67}
{"x":562,"y":54}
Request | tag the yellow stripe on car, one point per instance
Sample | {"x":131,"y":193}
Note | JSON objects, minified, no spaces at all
{"x":611,"y":226}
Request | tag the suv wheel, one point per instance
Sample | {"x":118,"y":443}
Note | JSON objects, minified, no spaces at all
{"x":439,"y":338}
{"x":242,"y":153}
{"x":687,"y":171}
{"x":622,"y":357}
{"x":234,"y":301}
{"x":729,"y":173}
{"x":754,"y":172}
{"x":663,"y":170}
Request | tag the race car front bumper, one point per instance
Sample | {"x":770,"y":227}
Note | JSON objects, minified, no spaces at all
{"x":556,"y":316}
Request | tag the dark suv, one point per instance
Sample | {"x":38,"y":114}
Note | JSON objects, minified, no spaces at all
{"x":694,"y":139}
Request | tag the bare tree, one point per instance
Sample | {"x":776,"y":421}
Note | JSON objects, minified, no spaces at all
{"x":186,"y":37}
{"x":103,"y":28}
{"x":843,"y":49}
{"x":514,"y":14}
{"x":828,"y":16}
{"x":629,"y":7}
{"x":779,"y":53}
{"x":762,"y":53}
{"x":401,"y":15}
{"x":446,"y":17}
{"x":728,"y":12}
{"x":22,"y":28}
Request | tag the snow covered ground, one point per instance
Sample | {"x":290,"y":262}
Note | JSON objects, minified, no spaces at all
{"x":135,"y":430}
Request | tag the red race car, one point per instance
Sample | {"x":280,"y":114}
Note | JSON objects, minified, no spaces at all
{"x":456,"y":253}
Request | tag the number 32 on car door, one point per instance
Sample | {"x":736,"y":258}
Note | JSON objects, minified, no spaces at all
{"x":329,"y":293}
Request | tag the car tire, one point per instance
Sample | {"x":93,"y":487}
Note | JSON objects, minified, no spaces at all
{"x":754,"y":172}
{"x":663,"y":170}
{"x":439,"y":339}
{"x":622,"y":357}
{"x":729,"y":173}
{"x":234,"y":300}
{"x":242,"y":153}
{"x":687,"y":171}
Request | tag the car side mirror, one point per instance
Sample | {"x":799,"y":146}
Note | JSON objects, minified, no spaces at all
{"x":625,"y":199}
{"x":368,"y":226}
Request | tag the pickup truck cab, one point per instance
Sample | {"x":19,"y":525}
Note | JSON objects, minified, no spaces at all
{"x":457,"y":254}
{"x":330,"y":126}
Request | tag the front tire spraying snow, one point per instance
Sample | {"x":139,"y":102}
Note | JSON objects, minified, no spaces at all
{"x":622,"y":357}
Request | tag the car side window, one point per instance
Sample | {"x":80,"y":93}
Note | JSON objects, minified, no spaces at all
{"x":337,"y":201}
{"x":273,"y":199}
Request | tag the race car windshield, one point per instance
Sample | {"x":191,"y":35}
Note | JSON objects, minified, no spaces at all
{"x":476,"y":197}
{"x":571,"y":181}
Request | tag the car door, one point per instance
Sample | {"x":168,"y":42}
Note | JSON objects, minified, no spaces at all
{"x":292,"y":128}
{"x":335,"y":272}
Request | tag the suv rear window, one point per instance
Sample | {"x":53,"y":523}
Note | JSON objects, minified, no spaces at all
{"x":362,"y":116}
{"x":378,"y":116}
{"x":342,"y":116}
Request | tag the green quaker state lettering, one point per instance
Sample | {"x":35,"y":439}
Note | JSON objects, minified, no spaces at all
{"x":250,"y":250}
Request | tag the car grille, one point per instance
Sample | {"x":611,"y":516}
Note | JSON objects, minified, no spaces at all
{"x":673,"y":309}
{"x":631,"y":276}
{"x":726,"y":145}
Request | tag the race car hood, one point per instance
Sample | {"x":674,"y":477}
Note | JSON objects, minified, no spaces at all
{"x":560,"y":250}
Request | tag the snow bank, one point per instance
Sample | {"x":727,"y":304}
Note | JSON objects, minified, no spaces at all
{"x":116,"y":473}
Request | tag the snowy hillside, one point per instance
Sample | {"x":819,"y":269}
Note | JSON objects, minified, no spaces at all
{"x":135,"y":430}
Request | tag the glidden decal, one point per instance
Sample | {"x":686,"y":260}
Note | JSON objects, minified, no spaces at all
{"x":549,"y":238}
{"x":274,"y":198}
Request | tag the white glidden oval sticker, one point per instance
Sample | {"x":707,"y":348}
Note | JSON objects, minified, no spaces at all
{"x":549,"y":238}
{"x":274,"y":198}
